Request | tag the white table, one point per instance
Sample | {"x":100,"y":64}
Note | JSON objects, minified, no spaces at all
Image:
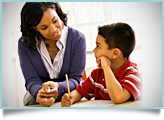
{"x":97,"y":103}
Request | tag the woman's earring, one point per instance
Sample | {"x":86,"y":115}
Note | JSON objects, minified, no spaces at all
{"x":62,"y":24}
{"x":38,"y":38}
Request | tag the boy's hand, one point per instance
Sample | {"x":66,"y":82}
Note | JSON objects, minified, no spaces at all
{"x":66,"y":100}
{"x":103,"y":61}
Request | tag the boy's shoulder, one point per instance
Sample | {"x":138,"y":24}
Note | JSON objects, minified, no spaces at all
{"x":133,"y":67}
{"x":127,"y":68}
{"x":129,"y":65}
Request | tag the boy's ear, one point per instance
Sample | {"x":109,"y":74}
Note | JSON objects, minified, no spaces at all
{"x":116,"y":53}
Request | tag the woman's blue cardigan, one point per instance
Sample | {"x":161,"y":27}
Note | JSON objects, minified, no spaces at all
{"x":74,"y":61}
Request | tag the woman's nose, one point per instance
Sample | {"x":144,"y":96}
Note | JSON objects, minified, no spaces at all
{"x":53,"y":28}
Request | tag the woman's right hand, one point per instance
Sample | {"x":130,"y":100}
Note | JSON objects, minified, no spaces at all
{"x":44,"y":101}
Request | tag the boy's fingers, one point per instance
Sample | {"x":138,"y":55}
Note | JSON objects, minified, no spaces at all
{"x":66,"y":96}
{"x":99,"y":64}
{"x":71,"y":100}
{"x":65,"y":100}
{"x":98,"y":61}
{"x":66,"y":103}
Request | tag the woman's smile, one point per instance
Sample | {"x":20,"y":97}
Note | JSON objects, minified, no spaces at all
{"x":56,"y":34}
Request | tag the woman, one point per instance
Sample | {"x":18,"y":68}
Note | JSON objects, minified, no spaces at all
{"x":49,"y":49}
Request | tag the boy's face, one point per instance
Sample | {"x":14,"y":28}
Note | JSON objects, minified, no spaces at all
{"x":101,"y":48}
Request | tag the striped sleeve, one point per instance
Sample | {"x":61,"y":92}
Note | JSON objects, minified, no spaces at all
{"x":86,"y":88}
{"x":132,"y":83}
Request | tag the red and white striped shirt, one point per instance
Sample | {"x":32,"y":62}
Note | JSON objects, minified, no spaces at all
{"x":127,"y":75}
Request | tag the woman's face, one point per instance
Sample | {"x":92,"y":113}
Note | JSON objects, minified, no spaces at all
{"x":50,"y":26}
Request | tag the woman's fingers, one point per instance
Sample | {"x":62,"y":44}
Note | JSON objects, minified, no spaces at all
{"x":46,"y":95}
{"x":46,"y":87}
{"x":40,"y":99}
{"x":48,"y":102}
{"x":53,"y":93}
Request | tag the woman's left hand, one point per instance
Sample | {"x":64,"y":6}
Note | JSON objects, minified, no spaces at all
{"x":49,"y":89}
{"x":46,"y":102}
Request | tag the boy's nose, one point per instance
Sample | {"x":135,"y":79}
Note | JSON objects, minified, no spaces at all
{"x":94,"y":50}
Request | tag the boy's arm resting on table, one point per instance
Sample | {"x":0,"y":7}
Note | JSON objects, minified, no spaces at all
{"x":83,"y":90}
{"x":76,"y":96}
{"x":117,"y":93}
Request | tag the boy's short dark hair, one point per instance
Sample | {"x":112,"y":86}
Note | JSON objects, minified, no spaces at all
{"x":118,"y":35}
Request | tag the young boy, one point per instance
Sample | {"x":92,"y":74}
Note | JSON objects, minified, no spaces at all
{"x":117,"y":78}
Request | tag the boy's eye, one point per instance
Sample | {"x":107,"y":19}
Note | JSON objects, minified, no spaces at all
{"x":98,"y":46}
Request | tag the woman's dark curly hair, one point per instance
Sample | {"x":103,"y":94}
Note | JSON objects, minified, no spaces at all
{"x":31,"y":16}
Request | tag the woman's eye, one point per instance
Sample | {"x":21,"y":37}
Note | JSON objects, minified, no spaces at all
{"x":55,"y":21}
{"x":44,"y":28}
